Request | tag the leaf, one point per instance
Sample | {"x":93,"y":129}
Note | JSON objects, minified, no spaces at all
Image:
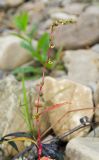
{"x":13,"y":144}
{"x":22,"y":139}
{"x":21,"y":21}
{"x":33,"y":31}
{"x":25,"y":109}
{"x":27,"y":45}
{"x":18,"y":134}
{"x":43,"y":45}
{"x":28,"y":69}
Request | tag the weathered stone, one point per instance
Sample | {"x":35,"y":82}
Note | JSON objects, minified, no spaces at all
{"x":83,"y":149}
{"x":96,"y":99}
{"x":1,"y":74}
{"x":36,"y":9}
{"x":11,"y":117}
{"x":62,"y":16}
{"x":11,"y":3}
{"x":77,"y":97}
{"x":85,"y":1}
{"x":96,"y":95}
{"x":95,"y":48}
{"x":75,"y":8}
{"x":82,"y":66}
{"x":81,"y":34}
{"x":94,"y":133}
{"x":12,"y":54}
{"x":58,"y":74}
{"x":2,"y":15}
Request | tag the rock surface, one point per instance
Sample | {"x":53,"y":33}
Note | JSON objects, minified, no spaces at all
{"x":96,"y":99}
{"x":62,"y":16}
{"x":82,"y":66}
{"x":11,"y":117}
{"x":77,"y":97}
{"x":81,"y":34}
{"x":94,"y":133}
{"x":95,"y":48}
{"x":35,"y":10}
{"x":12,"y":54}
{"x":11,"y":3}
{"x":75,"y":8}
{"x":83,"y":149}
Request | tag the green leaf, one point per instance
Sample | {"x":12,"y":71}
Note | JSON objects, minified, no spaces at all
{"x":25,"y":109}
{"x":43,"y":45}
{"x":33,"y":31}
{"x":21,"y":21}
{"x":28,"y":69}
{"x":27,"y":45}
{"x":13,"y":144}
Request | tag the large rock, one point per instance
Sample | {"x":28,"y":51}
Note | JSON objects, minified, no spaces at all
{"x":74,"y":8}
{"x":94,"y":133}
{"x":95,"y":48}
{"x":11,"y":117}
{"x":11,"y":3}
{"x":85,"y":1}
{"x":12,"y":54}
{"x":77,"y":97}
{"x":81,"y":34}
{"x":82,"y":66}
{"x":96,"y":98}
{"x":62,"y":16}
{"x":83,"y":149}
{"x":35,"y":10}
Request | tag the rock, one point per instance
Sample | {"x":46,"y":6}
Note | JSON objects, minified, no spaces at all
{"x":83,"y":149}
{"x":96,"y":95}
{"x":94,"y":133}
{"x":48,"y":139}
{"x":62,"y":15}
{"x":36,"y":9}
{"x":58,"y":74}
{"x":82,"y":66}
{"x":11,"y":117}
{"x":10,"y":3}
{"x":77,"y":97}
{"x":1,"y":74}
{"x":12,"y":54}
{"x":75,"y":8}
{"x":85,"y":1}
{"x":81,"y":34}
{"x":2,"y":15}
{"x":96,"y":99}
{"x":95,"y":48}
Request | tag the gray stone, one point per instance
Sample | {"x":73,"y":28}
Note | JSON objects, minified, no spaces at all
{"x":11,"y":118}
{"x":85,"y":1}
{"x":36,"y":11}
{"x":58,"y":74}
{"x":1,"y":74}
{"x":94,"y":133}
{"x":62,"y":16}
{"x":96,"y":99}
{"x":81,"y":34}
{"x":83,"y":149}
{"x":95,"y":48}
{"x":82,"y":66}
{"x":96,"y":95}
{"x":11,"y":3}
{"x":74,"y":96}
{"x":75,"y":8}
{"x":12,"y":54}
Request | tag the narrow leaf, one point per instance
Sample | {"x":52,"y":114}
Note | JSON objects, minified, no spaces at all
{"x":13,"y":144}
